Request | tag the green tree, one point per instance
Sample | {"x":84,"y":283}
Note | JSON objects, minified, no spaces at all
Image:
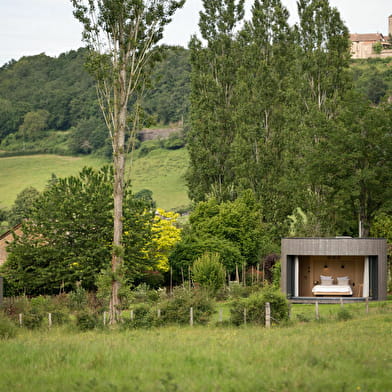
{"x":353,"y":162}
{"x":34,"y":123}
{"x":263,"y":92}
{"x":209,"y":272}
{"x":323,"y":79}
{"x":234,"y":229}
{"x":213,"y":78}
{"x":23,"y":206}
{"x":121,"y":35}
{"x":67,"y":237}
{"x":88,"y":136}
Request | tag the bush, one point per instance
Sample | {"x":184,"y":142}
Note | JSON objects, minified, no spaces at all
{"x":344,"y":314}
{"x":40,"y":304}
{"x":32,"y":319}
{"x":175,"y":141}
{"x":12,"y":306}
{"x":255,"y":307}
{"x":86,"y":321}
{"x":143,"y":293}
{"x":177,"y":309}
{"x":144,"y":317}
{"x":7,"y":328}
{"x":237,"y":290}
{"x":209,"y":272}
{"x":78,"y":298}
{"x":148,"y":146}
{"x":59,"y":317}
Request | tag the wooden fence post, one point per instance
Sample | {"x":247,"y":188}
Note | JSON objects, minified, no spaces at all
{"x":50,"y":320}
{"x":104,"y":318}
{"x":220,"y":315}
{"x":317,"y":310}
{"x":20,"y":319}
{"x":267,"y":315}
{"x":132,"y":315}
{"x":159,"y":313}
{"x":341,"y":302}
{"x":244,"y":316}
{"x":367,"y":305}
{"x":191,"y":317}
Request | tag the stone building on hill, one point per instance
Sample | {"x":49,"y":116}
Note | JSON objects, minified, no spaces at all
{"x":362,"y":45}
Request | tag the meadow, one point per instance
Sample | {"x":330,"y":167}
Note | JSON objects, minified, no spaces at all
{"x":352,"y":355}
{"x":161,"y":171}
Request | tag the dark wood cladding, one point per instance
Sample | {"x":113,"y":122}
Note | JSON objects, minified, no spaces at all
{"x":337,"y":247}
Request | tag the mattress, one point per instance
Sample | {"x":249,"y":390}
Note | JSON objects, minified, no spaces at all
{"x":332,"y":290}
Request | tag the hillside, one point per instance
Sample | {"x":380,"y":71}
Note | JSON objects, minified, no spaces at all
{"x":44,"y":98}
{"x":161,"y":171}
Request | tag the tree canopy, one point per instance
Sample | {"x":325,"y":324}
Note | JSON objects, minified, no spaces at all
{"x":67,"y":237}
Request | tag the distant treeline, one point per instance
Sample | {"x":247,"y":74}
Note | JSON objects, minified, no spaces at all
{"x":40,"y":94}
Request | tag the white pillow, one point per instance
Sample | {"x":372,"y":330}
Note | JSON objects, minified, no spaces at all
{"x":326,"y":282}
{"x":343,"y":281}
{"x":325,"y":277}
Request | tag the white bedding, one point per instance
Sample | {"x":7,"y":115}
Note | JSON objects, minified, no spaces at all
{"x":332,"y":289}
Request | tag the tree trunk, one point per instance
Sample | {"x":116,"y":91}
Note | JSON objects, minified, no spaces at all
{"x":118,"y":195}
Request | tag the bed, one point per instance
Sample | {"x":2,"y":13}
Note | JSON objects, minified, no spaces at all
{"x":327,"y":286}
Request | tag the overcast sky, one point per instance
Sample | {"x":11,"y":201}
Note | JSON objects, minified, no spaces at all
{"x":29,"y":27}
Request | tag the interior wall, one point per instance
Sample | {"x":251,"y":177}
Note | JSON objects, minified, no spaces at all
{"x":311,"y":267}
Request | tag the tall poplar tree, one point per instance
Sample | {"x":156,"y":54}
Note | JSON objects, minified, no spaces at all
{"x":213,"y":78}
{"x":263,"y":94}
{"x":121,"y":35}
{"x":323,"y":79}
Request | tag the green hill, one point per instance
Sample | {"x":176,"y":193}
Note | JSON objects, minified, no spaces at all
{"x":161,"y":171}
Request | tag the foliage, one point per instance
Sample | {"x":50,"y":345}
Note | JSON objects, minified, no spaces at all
{"x":193,"y":245}
{"x":208,"y":272}
{"x":169,"y":98}
{"x":89,"y":135}
{"x":177,"y":309}
{"x":68,"y":236}
{"x":344,"y":314}
{"x":175,"y":141}
{"x":33,"y":319}
{"x":213,"y":77}
{"x":34,"y":123}
{"x":78,"y":298}
{"x":377,"y":47}
{"x":361,"y":186}
{"x":239,"y":222}
{"x":145,"y":316}
{"x":23,"y":206}
{"x":86,"y":320}
{"x":103,"y":283}
{"x":165,"y":234}
{"x":255,"y":307}
{"x":7,"y":328}
{"x":62,"y":87}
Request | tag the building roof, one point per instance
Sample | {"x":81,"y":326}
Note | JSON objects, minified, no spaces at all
{"x":10,"y":231}
{"x":370,"y":37}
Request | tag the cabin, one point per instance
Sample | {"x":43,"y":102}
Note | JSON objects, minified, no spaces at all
{"x":340,"y":267}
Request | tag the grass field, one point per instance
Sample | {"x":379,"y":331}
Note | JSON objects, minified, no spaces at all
{"x":161,"y":171}
{"x":352,"y":355}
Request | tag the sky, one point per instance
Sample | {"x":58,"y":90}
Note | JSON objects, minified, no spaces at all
{"x":30,"y":27}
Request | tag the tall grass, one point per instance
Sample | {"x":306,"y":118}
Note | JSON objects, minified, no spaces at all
{"x":339,"y":356}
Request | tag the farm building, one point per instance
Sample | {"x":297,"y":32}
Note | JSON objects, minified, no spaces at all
{"x":334,"y":267}
{"x":6,"y":239}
